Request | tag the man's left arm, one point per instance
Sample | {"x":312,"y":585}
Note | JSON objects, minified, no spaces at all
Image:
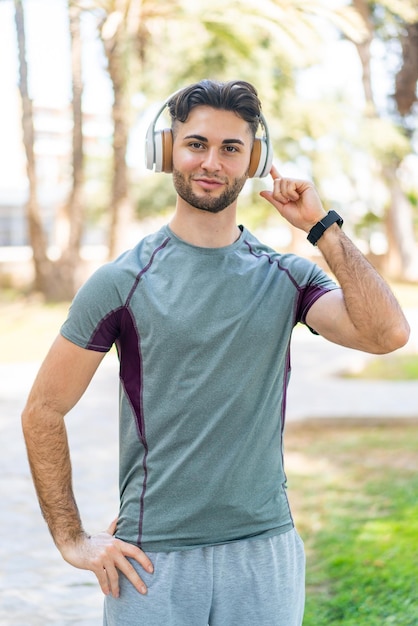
{"x":364,"y":314}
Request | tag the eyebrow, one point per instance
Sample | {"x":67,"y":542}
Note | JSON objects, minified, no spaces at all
{"x":205,"y":140}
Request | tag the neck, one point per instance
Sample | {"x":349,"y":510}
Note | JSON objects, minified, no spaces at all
{"x":205,"y":229}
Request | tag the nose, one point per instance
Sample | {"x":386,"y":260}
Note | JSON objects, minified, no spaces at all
{"x":211,"y":160}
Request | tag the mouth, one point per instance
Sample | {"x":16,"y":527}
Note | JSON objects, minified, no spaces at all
{"x":207,"y":183}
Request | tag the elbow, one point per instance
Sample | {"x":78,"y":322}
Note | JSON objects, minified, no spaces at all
{"x":26,"y":419}
{"x":32,"y":418}
{"x":394,"y":339}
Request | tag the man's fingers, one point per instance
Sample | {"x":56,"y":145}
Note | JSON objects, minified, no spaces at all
{"x":289,"y":190}
{"x":274,"y":173}
{"x":284,"y":189}
{"x":132,"y":575}
{"x":101,"y":576}
{"x":111,"y":580}
{"x":112,"y":526}
{"x":296,"y":200}
{"x":107,"y":570}
{"x":268,"y":195}
{"x":140,"y":557}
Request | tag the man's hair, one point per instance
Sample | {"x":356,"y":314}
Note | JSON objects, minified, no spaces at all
{"x":235,"y":95}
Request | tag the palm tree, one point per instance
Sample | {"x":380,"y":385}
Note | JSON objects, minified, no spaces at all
{"x":34,"y":221}
{"x":73,"y":211}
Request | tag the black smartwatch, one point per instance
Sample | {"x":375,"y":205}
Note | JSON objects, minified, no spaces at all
{"x":320,"y":227}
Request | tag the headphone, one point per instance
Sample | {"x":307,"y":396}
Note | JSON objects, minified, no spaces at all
{"x":159,"y":148}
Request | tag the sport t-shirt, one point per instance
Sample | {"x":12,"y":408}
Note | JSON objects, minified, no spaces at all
{"x":203,"y":338}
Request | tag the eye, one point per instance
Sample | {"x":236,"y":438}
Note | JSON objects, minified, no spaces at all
{"x":231,"y":149}
{"x":196,"y":145}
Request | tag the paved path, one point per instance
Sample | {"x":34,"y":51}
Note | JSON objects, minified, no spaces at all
{"x":37,"y":588}
{"x":317,"y":391}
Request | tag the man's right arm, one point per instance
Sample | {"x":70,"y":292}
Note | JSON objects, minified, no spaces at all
{"x":62,"y":379}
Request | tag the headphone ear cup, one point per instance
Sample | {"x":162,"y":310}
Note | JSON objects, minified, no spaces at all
{"x":255,"y":158}
{"x":261,"y":159}
{"x":167,"y":150}
{"x":163,"y":146}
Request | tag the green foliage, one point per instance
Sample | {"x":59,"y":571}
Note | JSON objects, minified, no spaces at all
{"x":386,"y":142}
{"x":413,"y":197}
{"x":154,"y":195}
{"x":98,"y":178}
{"x":389,"y":15}
{"x":253,"y":211}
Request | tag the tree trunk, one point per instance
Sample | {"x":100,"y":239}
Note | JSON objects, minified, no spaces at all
{"x":363,"y":50}
{"x":121,"y":206}
{"x":70,"y":226}
{"x":402,"y":258}
{"x":37,"y":237}
{"x":407,"y":77}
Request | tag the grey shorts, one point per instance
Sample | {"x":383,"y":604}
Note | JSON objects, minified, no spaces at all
{"x":258,"y":582}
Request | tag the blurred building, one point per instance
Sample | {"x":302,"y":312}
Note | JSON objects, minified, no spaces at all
{"x":53,"y":150}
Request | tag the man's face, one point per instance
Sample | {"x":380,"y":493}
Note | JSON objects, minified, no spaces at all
{"x":211,"y":156}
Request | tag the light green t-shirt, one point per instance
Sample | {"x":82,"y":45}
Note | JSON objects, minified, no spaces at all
{"x":203,"y":338}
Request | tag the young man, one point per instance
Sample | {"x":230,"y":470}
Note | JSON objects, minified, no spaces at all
{"x":202,"y":315}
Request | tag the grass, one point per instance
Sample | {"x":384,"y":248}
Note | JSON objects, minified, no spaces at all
{"x":388,"y":367}
{"x":27,"y":327}
{"x":354,"y":490}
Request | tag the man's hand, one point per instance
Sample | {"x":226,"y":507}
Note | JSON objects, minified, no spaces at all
{"x":296,"y":200}
{"x":104,"y":555}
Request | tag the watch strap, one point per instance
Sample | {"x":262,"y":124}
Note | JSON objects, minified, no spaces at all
{"x":320,"y":227}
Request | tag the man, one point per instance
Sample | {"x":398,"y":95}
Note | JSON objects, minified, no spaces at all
{"x":202,"y":315}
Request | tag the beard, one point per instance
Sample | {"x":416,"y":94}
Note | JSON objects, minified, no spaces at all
{"x":206,"y":202}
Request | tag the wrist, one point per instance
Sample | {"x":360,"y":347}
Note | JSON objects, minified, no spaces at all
{"x":320,"y":227}
{"x":70,"y":540}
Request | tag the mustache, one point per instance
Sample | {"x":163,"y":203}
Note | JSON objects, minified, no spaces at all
{"x":207,"y":177}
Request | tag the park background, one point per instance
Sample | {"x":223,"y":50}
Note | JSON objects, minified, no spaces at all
{"x":80,"y":83}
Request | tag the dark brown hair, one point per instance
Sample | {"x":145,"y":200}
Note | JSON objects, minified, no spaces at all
{"x":235,"y":95}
